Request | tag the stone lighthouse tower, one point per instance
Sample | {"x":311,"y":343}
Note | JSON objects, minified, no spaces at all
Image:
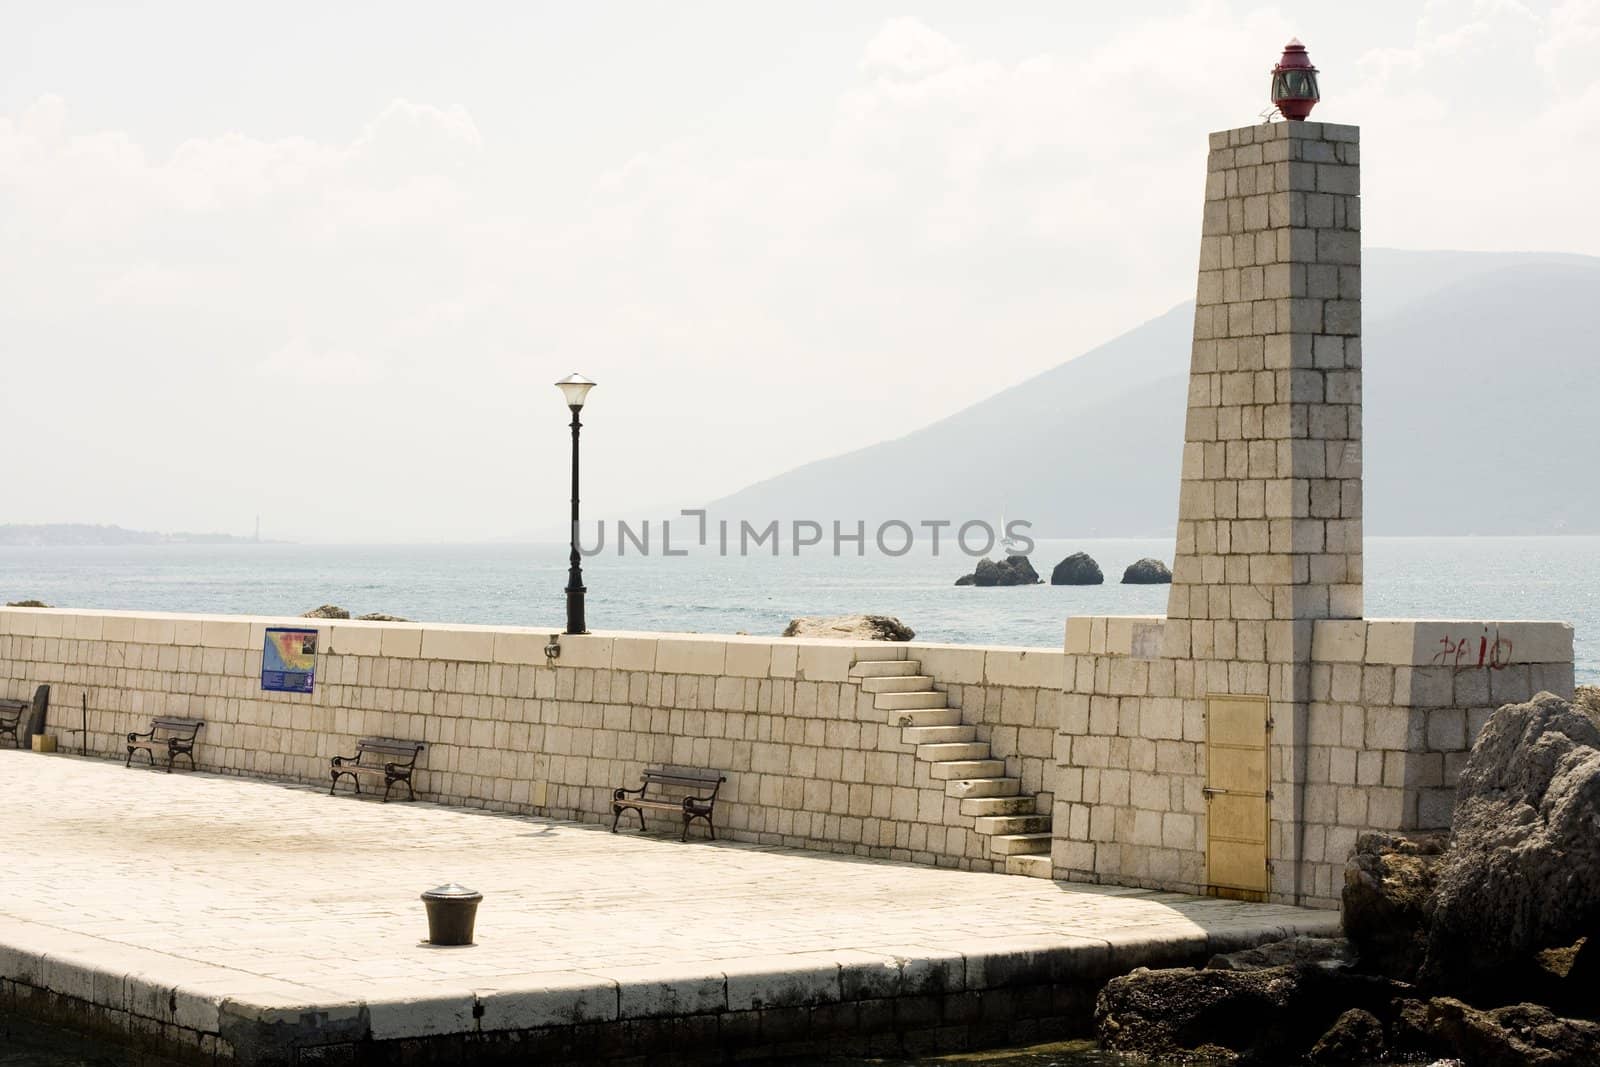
{"x":1269,"y":513}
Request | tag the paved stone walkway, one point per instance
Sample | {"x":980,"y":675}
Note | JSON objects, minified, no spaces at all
{"x":233,"y":888}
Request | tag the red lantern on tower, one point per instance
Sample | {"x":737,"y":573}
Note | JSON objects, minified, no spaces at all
{"x":1294,"y":82}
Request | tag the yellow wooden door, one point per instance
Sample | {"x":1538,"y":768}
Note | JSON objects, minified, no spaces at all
{"x":1237,"y":732}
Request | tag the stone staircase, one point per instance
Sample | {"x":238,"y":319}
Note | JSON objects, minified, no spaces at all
{"x":995,"y":802}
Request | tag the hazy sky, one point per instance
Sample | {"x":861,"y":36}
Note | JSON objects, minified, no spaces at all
{"x":324,"y":264}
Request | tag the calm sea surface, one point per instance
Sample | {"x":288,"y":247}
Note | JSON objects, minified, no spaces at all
{"x":520,"y":584}
{"x":26,"y":1044}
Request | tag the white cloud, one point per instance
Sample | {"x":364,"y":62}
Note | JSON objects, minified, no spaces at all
{"x":1567,"y":54}
{"x":908,"y":46}
{"x":299,"y":365}
{"x":415,"y":139}
{"x":961,"y":219}
{"x":153,"y":285}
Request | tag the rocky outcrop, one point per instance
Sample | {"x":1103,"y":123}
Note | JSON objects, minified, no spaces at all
{"x":1517,"y":1035}
{"x":1498,"y":923}
{"x":1077,"y":569}
{"x":1387,"y":884}
{"x":1011,"y":570}
{"x":851,"y":627}
{"x":1275,"y":1014}
{"x":1522,"y":872}
{"x":378,"y":616}
{"x":327,"y":611}
{"x":1325,"y":1014}
{"x":26,"y":604}
{"x":1285,"y":953}
{"x":1356,"y":1037}
{"x":1147,"y":571}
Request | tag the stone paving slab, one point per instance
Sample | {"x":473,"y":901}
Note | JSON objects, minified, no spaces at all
{"x":193,"y":899}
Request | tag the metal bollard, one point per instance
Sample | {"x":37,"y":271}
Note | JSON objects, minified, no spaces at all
{"x":452,"y":912}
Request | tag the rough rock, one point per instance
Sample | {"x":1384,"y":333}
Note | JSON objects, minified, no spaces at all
{"x":1518,"y":1035}
{"x":1387,"y":885}
{"x":851,"y":627}
{"x":378,"y":616}
{"x":1583,"y":970}
{"x":1011,"y":570}
{"x":1522,"y":873}
{"x":1356,"y":1037}
{"x":1077,"y":569}
{"x":327,"y":611}
{"x":1274,"y":1014}
{"x":1410,"y":1036}
{"x":1587,"y":697}
{"x":1147,"y":571}
{"x":1562,"y":979}
{"x":1283,"y":953}
{"x":26,"y":604}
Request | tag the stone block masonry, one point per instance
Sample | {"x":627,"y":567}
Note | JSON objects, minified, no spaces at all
{"x":1235,"y":746}
{"x":1269,"y":513}
{"x":1239,"y":745}
{"x":1269,"y":533}
{"x":1096,"y":753}
{"x":1393,"y":707}
{"x":812,"y":742}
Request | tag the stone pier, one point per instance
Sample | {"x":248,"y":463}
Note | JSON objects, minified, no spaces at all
{"x":1233,"y":748}
{"x":226,"y":920}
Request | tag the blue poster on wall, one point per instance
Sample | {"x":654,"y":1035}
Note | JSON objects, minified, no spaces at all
{"x":289,"y":660}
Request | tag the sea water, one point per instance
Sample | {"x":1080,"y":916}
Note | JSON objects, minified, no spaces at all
{"x":28,"y":1044}
{"x":1475,"y":578}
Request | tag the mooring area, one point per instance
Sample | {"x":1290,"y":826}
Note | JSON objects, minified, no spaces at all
{"x":226,"y":918}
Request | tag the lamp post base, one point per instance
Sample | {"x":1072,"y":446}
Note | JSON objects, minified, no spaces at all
{"x":575,"y":623}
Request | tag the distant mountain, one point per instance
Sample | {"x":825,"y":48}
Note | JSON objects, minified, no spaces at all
{"x":1482,"y":394}
{"x":76,"y":533}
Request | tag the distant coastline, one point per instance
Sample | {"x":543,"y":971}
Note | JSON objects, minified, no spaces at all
{"x":64,"y":534}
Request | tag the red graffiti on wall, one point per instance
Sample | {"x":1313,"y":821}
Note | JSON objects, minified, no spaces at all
{"x":1465,"y":653}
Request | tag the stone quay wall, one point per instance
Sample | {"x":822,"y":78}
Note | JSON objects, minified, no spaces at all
{"x":1107,"y":737}
{"x":811,"y":761}
{"x":1394,"y":708}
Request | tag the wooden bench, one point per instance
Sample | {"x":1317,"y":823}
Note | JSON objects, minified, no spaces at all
{"x":375,"y":757}
{"x":168,"y":734}
{"x":11,"y":719}
{"x":682,"y":790}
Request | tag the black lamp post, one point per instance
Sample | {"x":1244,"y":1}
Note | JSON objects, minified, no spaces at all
{"x":574,"y":387}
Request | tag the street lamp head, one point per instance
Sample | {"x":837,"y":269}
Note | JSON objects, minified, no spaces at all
{"x":575,"y":387}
